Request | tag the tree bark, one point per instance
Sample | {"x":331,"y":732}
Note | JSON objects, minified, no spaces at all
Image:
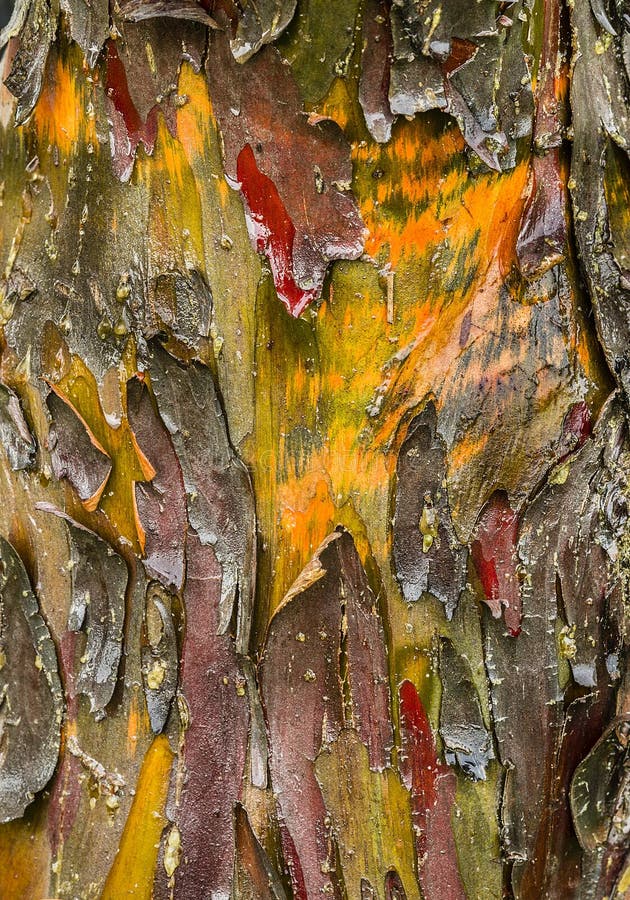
{"x":314,"y":467}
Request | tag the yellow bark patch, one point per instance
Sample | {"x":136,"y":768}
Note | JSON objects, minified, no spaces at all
{"x":133,"y":871}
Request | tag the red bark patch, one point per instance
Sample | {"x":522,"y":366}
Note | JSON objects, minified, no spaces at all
{"x":494,"y":556}
{"x":128,"y":130}
{"x":576,"y":429}
{"x":272,"y":230}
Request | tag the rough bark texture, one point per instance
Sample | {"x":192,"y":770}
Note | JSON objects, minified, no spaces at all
{"x":314,"y":450}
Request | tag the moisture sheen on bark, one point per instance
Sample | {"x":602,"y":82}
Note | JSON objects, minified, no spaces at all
{"x":314,"y":449}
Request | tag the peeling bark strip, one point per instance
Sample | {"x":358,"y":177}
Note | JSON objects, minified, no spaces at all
{"x":427,"y":555}
{"x":206,"y":780}
{"x":218,"y":487}
{"x":74,"y":451}
{"x":31,"y":697}
{"x":161,"y":503}
{"x":254,"y":876}
{"x":324,"y":667}
{"x":599,"y":170}
{"x":568,"y":540}
{"x":99,"y":581}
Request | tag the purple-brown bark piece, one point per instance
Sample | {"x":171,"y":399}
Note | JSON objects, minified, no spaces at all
{"x":159,"y":655}
{"x":324,"y":666}
{"x":590,"y":511}
{"x":294,"y":175}
{"x":260,"y":22}
{"x":427,"y":555}
{"x":161,"y":503}
{"x":375,"y":65}
{"x":543,"y":230}
{"x":138,"y":10}
{"x":570,"y":611}
{"x":467,"y":742}
{"x":215,"y":741}
{"x":15,"y":435}
{"x":254,"y":876}
{"x":31,"y":697}
{"x":89,"y":25}
{"x":99,"y":582}
{"x":493,"y":552}
{"x":36,"y":28}
{"x":75,"y":453}
{"x":219,"y":492}
{"x":432,"y":786}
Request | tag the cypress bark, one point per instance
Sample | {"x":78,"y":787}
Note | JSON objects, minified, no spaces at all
{"x":315,"y":455}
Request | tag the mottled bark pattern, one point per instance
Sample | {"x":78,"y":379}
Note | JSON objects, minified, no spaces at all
{"x":314,"y":450}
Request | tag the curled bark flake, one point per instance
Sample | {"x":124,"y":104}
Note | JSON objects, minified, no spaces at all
{"x":15,"y":435}
{"x":89,"y":25}
{"x":36,"y":34}
{"x":138,"y":10}
{"x":260,"y":23}
{"x":218,"y":487}
{"x":600,"y":791}
{"x":182,"y":304}
{"x":296,"y":187}
{"x":324,"y":666}
{"x":161,"y":502}
{"x":99,"y":582}
{"x":432,"y":786}
{"x":159,"y":655}
{"x":599,"y":176}
{"x":31,"y":697}
{"x":427,"y":555}
{"x":460,"y":58}
{"x":375,"y":67}
{"x":467,"y":742}
{"x":75,"y":453}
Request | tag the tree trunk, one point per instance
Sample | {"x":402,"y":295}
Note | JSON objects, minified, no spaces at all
{"x":313,"y":407}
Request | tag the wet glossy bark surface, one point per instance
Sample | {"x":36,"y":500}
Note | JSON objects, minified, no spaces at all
{"x":314,"y":450}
